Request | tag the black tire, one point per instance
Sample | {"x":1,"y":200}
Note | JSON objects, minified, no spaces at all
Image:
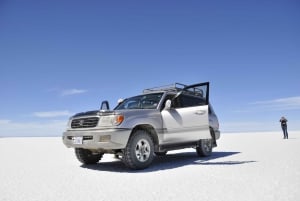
{"x":204,"y":147}
{"x":139,"y":152}
{"x":85,"y":156}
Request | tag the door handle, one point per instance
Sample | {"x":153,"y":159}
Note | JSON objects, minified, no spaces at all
{"x":200,"y":112}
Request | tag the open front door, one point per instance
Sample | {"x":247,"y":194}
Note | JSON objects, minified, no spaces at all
{"x":187,"y":119}
{"x":200,"y":90}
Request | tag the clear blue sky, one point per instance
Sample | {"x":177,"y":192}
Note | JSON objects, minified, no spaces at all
{"x":61,"y":57}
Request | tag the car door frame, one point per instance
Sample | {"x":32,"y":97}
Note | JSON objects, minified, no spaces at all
{"x":180,"y":124}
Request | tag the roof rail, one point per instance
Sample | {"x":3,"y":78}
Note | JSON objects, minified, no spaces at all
{"x":171,"y":87}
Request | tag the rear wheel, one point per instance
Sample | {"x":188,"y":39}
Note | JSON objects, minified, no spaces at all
{"x":139,"y":152}
{"x":85,"y":156}
{"x":204,"y":147}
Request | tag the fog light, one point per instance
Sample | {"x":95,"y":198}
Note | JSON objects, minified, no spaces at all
{"x":105,"y":138}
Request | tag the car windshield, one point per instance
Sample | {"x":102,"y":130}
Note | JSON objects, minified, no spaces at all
{"x":145,"y":101}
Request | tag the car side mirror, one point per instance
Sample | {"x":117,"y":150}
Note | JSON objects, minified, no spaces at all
{"x":104,"y":105}
{"x":168,"y":104}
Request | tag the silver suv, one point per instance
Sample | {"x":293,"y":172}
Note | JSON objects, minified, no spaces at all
{"x":160,"y":119}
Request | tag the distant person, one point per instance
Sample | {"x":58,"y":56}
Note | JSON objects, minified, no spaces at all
{"x":283,"y":122}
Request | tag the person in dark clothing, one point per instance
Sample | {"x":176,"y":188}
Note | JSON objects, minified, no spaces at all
{"x":283,"y":122}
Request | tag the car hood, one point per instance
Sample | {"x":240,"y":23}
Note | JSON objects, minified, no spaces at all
{"x":94,"y":113}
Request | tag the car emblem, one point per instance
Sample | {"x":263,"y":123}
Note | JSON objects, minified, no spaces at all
{"x":81,"y":122}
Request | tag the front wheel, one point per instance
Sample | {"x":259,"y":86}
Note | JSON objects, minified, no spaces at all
{"x":139,"y":152}
{"x":85,"y":156}
{"x":204,"y":147}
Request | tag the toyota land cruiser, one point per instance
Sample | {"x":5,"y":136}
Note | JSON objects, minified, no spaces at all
{"x":160,"y":119}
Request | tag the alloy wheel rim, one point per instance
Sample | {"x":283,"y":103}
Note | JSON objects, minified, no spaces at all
{"x":207,"y":145}
{"x":142,"y":150}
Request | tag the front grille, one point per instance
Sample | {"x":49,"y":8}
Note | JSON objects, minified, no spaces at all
{"x":85,"y":122}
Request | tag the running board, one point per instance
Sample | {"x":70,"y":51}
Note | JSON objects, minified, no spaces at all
{"x":168,"y":147}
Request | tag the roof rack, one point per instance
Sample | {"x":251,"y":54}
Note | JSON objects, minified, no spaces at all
{"x":171,"y":87}
{"x":176,"y":87}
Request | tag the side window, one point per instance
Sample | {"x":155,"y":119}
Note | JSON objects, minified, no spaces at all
{"x":176,"y":103}
{"x":191,"y":101}
{"x":184,"y":100}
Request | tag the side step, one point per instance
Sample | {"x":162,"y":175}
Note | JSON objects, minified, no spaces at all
{"x":168,"y":147}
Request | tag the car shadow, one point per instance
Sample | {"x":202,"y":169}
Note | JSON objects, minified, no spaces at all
{"x":170,"y":161}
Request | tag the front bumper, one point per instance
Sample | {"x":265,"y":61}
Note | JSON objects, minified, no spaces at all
{"x":106,"y":139}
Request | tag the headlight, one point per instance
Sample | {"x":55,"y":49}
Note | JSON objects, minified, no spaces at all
{"x":111,"y":120}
